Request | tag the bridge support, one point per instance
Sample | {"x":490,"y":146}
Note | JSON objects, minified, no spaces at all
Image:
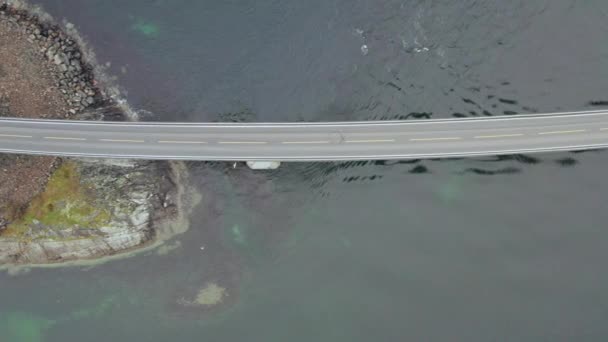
{"x":263,"y":165}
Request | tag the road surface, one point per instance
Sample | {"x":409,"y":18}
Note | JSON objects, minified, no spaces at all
{"x":308,"y":141}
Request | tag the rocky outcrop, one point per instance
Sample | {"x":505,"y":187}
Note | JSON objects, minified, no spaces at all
{"x":115,"y":206}
{"x":54,"y":210}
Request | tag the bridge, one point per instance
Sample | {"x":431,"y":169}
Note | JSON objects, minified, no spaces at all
{"x":327,"y":141}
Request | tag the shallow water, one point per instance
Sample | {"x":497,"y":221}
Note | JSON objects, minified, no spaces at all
{"x":473,"y":249}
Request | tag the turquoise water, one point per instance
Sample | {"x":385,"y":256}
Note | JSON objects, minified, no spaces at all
{"x":352,"y":265}
{"x":509,"y":248}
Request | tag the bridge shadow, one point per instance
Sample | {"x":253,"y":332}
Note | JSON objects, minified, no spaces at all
{"x":318,"y":174}
{"x":473,"y":102}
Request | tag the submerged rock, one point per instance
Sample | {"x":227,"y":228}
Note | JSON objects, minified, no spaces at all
{"x":208,"y":297}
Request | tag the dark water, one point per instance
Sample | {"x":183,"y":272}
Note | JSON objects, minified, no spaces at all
{"x":498,"y":248}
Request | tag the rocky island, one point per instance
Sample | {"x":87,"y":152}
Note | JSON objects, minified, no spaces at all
{"x":52,"y":209}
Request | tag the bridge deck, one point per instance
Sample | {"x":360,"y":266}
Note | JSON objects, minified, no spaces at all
{"x":308,"y":141}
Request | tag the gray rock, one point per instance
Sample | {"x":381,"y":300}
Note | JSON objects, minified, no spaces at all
{"x":57,"y":59}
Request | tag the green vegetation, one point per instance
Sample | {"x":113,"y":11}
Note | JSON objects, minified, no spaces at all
{"x":65,"y":203}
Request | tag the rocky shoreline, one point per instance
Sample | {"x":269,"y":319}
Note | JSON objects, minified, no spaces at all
{"x":131,"y":201}
{"x":54,"y":210}
{"x":74,"y":78}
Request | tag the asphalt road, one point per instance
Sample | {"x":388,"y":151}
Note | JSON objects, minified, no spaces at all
{"x":308,"y":141}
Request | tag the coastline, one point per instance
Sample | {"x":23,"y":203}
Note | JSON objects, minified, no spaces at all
{"x":75,"y":211}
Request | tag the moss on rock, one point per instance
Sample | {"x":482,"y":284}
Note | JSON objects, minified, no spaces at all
{"x":66,"y":202}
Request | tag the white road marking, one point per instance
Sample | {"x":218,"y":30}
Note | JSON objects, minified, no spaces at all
{"x":15,"y":136}
{"x":435,"y":139}
{"x":306,"y":142}
{"x":564,"y":132}
{"x":65,"y":138}
{"x":243,"y":142}
{"x":372,"y":141}
{"x":122,"y":140}
{"x":180,"y":142}
{"x":498,"y":136}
